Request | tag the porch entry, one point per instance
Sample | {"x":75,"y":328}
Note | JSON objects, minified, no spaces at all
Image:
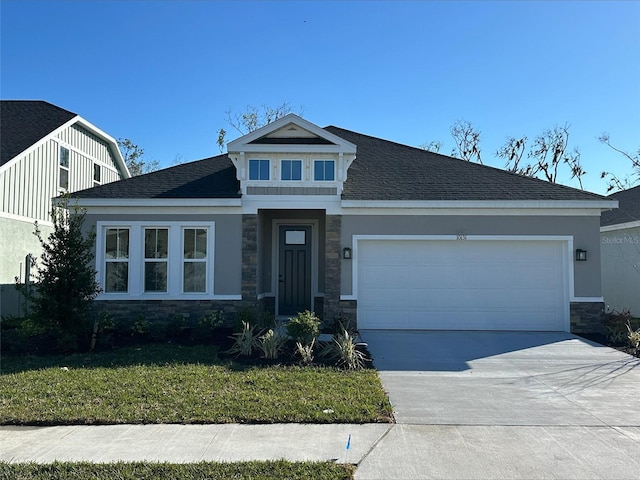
{"x":294,"y":269}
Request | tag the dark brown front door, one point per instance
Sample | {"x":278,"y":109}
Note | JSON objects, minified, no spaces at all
{"x":294,"y":270}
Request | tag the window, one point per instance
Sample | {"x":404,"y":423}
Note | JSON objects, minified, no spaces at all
{"x":324,"y":170}
{"x":116,"y":260}
{"x":291,"y":170}
{"x":258,"y":169}
{"x":156,"y":252}
{"x":64,"y":168}
{"x":96,"y":174}
{"x":147,"y":260}
{"x":194,"y":271}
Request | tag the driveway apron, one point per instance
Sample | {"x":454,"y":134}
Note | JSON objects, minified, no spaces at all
{"x":505,"y":405}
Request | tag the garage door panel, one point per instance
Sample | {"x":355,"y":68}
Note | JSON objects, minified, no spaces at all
{"x":434,"y":284}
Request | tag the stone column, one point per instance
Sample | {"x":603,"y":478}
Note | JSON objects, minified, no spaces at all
{"x":249,"y":259}
{"x":333,"y":228}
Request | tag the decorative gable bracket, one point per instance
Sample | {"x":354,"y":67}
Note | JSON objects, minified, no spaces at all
{"x":291,"y":156}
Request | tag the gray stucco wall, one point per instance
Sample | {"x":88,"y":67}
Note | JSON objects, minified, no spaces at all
{"x":621,"y":269}
{"x":228,"y":243}
{"x":584,"y":229}
{"x":16,"y":242}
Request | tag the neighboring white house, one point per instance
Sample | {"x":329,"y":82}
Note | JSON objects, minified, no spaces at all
{"x":45,"y":151}
{"x":620,"y":236}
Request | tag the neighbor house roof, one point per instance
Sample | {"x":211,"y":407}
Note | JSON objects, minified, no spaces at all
{"x":25,"y":122}
{"x":382,"y":170}
{"x":628,"y":210}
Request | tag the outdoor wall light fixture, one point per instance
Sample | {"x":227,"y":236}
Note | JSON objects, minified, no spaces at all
{"x":346,"y":253}
{"x":581,"y":255}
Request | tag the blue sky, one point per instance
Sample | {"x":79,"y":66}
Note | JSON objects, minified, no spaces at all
{"x":163,"y":73}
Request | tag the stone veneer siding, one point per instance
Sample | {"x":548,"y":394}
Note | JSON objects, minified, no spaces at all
{"x":586,"y":317}
{"x":163,"y":311}
{"x":249,"y":258}
{"x":332,"y":268}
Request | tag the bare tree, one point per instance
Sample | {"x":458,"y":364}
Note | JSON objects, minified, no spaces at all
{"x":547,"y":154}
{"x":615,"y":182}
{"x":432,"y":146}
{"x":513,"y":151}
{"x":549,"y":151}
{"x":134,"y":158}
{"x":253,"y":118}
{"x":467,"y":140}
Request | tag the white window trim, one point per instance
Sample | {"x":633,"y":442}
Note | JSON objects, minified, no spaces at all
{"x":249,"y":170}
{"x":175,"y":261}
{"x":62,"y":167}
{"x":184,"y":261}
{"x":323,"y":181}
{"x":302,"y":170}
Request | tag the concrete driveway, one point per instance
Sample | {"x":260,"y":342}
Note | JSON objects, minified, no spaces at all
{"x":505,"y":405}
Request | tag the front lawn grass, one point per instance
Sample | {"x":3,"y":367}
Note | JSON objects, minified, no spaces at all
{"x":152,"y":471}
{"x":178,"y":384}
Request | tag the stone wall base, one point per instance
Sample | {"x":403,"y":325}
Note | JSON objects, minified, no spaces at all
{"x":163,"y":311}
{"x":586,"y":317}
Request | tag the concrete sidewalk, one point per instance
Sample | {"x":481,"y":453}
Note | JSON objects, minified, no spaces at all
{"x":381,"y":451}
{"x":190,"y":443}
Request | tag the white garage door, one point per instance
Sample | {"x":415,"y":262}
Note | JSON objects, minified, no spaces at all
{"x":462,"y":285}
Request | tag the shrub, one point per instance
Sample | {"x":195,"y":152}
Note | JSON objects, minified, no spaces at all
{"x":343,"y":350}
{"x":245,"y":342}
{"x":305,"y":352}
{"x":271,"y":343}
{"x":141,"y":326}
{"x":633,"y":336}
{"x":246,"y":315}
{"x":304,"y":328}
{"x":65,"y":283}
{"x":615,"y":326}
{"x":266,"y":320}
{"x":212,"y":321}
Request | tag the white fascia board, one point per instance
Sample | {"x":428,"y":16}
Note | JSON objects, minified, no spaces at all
{"x":240,"y":144}
{"x":620,"y":226}
{"x":284,"y":148}
{"x":157,"y":202}
{"x":89,"y":126}
{"x":587,"y":207}
{"x":330,"y":203}
{"x":110,"y":140}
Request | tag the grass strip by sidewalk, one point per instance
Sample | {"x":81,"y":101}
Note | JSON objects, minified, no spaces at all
{"x":136,"y":390}
{"x":256,"y":470}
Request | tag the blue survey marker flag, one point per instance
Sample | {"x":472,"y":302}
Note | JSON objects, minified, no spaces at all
{"x":349,"y":442}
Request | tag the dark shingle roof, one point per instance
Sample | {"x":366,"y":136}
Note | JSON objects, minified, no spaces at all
{"x":213,"y":177}
{"x":628,"y":210}
{"x":383,"y":170}
{"x":24,"y":122}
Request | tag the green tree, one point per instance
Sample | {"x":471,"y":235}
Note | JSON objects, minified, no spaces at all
{"x":65,"y":281}
{"x":134,"y":158}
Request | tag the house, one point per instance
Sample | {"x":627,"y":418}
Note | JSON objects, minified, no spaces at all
{"x":620,"y":238}
{"x":299,"y":217}
{"x":45,"y":151}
